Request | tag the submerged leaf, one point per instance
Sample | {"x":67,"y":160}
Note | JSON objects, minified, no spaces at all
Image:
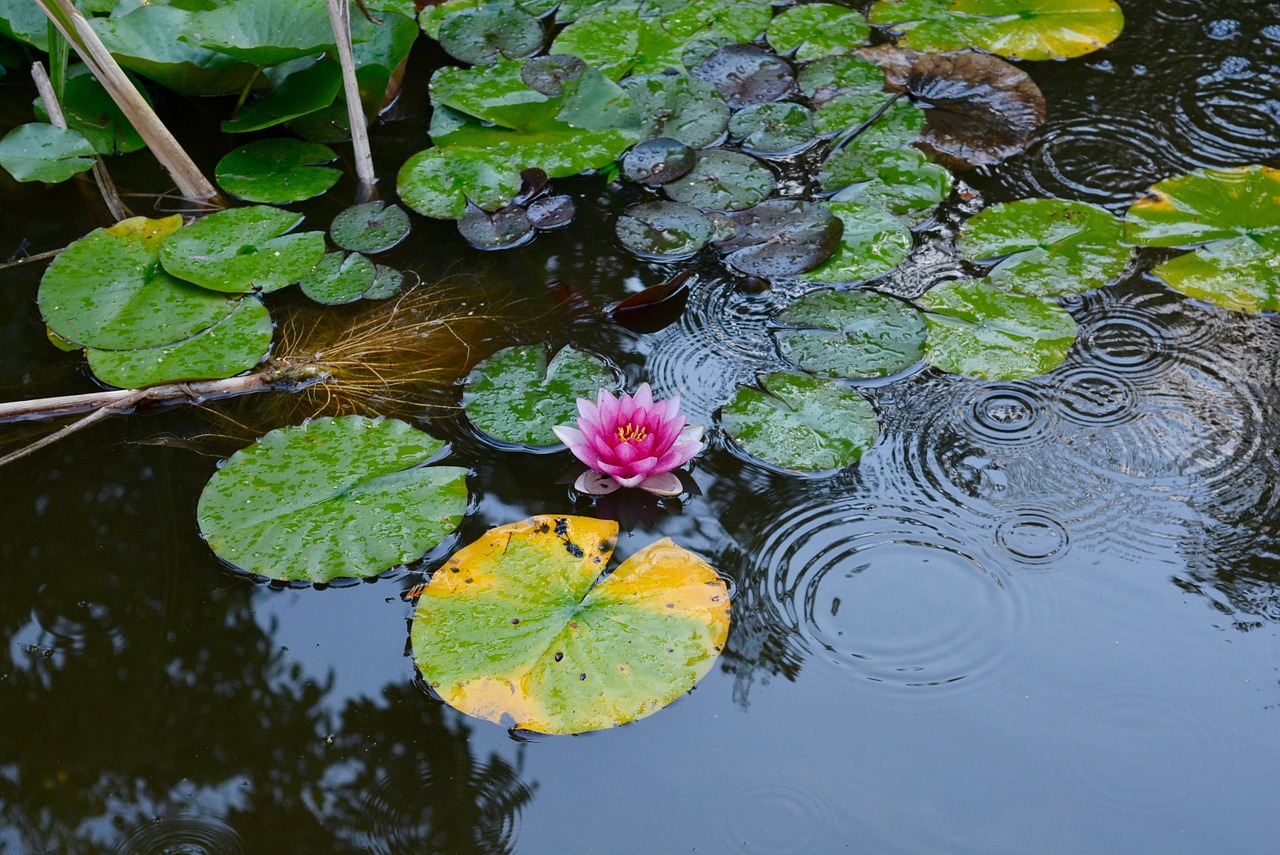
{"x":517,"y":396}
{"x":978,"y":330}
{"x":336,"y":497}
{"x":801,"y":423}
{"x":523,"y":628}
{"x":981,"y":109}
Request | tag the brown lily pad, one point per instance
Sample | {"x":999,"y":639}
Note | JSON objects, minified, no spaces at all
{"x":980,"y":109}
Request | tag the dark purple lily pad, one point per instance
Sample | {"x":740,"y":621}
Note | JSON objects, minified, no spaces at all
{"x":502,"y":229}
{"x":533,"y":182}
{"x":548,"y":74}
{"x":746,"y":75}
{"x":485,"y":34}
{"x":552,"y":212}
{"x":981,"y":109}
{"x":781,"y":237}
{"x":658,"y":161}
{"x":666,"y":230}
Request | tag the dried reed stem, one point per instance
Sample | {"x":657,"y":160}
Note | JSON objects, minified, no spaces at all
{"x":340,"y":19}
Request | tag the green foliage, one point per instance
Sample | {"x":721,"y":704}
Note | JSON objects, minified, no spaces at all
{"x":517,"y":395}
{"x":802,"y":423}
{"x":873,"y":242}
{"x":978,"y":330}
{"x":815,"y":30}
{"x":277,"y":170}
{"x":1046,"y":247}
{"x":336,"y":497}
{"x":370,"y":227}
{"x":525,"y":628}
{"x":851,"y":334}
{"x":1022,"y":29}
{"x":243,"y":249}
{"x":234,"y":344}
{"x":40,"y":152}
{"x":1232,"y":218}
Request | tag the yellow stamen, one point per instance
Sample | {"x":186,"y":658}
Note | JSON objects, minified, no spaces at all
{"x":632,"y":433}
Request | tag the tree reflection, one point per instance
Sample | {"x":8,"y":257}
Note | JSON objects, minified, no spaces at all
{"x":146,"y":710}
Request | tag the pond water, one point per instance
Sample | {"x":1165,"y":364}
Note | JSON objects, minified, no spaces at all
{"x":1039,"y":616}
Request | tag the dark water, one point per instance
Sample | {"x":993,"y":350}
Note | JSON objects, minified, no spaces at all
{"x":1038,"y":617}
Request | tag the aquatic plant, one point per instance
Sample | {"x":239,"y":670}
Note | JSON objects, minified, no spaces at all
{"x":634,"y":441}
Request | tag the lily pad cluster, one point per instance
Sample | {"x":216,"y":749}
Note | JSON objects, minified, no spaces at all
{"x":277,"y":55}
{"x":709,"y":97}
{"x":154,"y":301}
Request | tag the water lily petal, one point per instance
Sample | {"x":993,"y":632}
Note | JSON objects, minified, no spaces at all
{"x":594,"y":483}
{"x":662,"y":484}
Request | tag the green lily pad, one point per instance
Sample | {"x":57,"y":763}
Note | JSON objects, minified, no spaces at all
{"x":1207,"y":205}
{"x":1233,"y":216}
{"x":243,"y":249}
{"x":801,"y":423}
{"x":899,"y":180}
{"x":873,"y":242}
{"x":1021,"y":29}
{"x":608,"y":39}
{"x":723,"y":181}
{"x":851,"y":334}
{"x":845,"y":91}
{"x":815,"y":30}
{"x":277,"y":170}
{"x":107,"y":291}
{"x":89,"y":110}
{"x":438,"y":182}
{"x":335,"y":498}
{"x":732,"y":20}
{"x":295,"y":94}
{"x":24,"y":22}
{"x":517,"y":396}
{"x":144,"y":41}
{"x":524,"y":628}
{"x":262,"y":32}
{"x":548,"y":74}
{"x":678,"y":107}
{"x":40,"y":152}
{"x":370,"y":227}
{"x":1046,"y":247}
{"x":338,"y":278}
{"x":1242,"y":275}
{"x":774,"y":128}
{"x":236,"y":343}
{"x":484,"y":34}
{"x":663,"y":230}
{"x":978,"y":330}
{"x":387,"y":282}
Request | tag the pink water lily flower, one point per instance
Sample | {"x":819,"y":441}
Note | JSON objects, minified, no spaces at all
{"x":631,"y":442}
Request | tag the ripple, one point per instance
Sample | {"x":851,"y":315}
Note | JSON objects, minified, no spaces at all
{"x":181,"y":833}
{"x":779,"y":817}
{"x":1032,"y":537}
{"x":721,"y":341}
{"x":1136,"y":330}
{"x":1087,"y":395}
{"x":891,"y":592}
{"x":1104,"y":159}
{"x":1115,"y":741}
{"x":414,"y":809}
{"x":1009,"y":414}
{"x":1231,"y":116}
